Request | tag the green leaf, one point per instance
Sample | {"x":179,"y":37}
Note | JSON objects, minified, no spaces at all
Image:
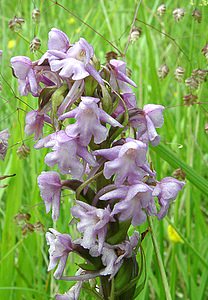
{"x":140,"y":287}
{"x":57,"y":98}
{"x":118,"y":232}
{"x":124,"y":284}
{"x":123,"y":277}
{"x":74,"y":184}
{"x":45,"y":96}
{"x":86,"y":287}
{"x":87,"y":267}
{"x":106,"y":100}
{"x":90,"y":85}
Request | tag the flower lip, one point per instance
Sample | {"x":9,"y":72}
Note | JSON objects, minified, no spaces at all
{"x":50,"y":190}
{"x":60,"y":247}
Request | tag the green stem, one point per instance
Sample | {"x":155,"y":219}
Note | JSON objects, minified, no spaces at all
{"x":106,"y":286}
{"x":159,"y":260}
{"x":85,"y":183}
{"x":112,"y":297}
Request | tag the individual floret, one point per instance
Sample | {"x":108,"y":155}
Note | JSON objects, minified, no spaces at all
{"x":88,"y":117}
{"x":93,"y":224}
{"x":166,"y":191}
{"x":127,"y":162}
{"x":60,"y":247}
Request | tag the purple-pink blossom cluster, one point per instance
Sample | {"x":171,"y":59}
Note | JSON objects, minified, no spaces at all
{"x":98,"y":141}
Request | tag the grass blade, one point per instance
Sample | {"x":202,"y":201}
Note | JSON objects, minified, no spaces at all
{"x":170,"y":157}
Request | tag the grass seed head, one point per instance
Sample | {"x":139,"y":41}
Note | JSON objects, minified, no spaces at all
{"x":111,"y":55}
{"x":23,"y":151}
{"x":178,"y":14}
{"x":206,"y":127}
{"x":28,"y":227}
{"x":21,"y":218}
{"x":199,"y":75}
{"x":179,"y":174}
{"x":135,"y":34}
{"x":205,"y":51}
{"x":189,"y":99}
{"x":197,"y":15}
{"x":15,"y":24}
{"x":35,"y":44}
{"x":192,"y":82}
{"x":161,"y":10}
{"x":36,"y":15}
{"x":38,"y":226}
{"x":163,"y":71}
{"x":179,"y":73}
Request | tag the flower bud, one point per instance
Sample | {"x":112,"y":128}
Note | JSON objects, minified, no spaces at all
{"x":189,"y":99}
{"x":35,"y":44}
{"x":205,"y":51}
{"x":163,"y":71}
{"x":36,"y":15}
{"x":197,"y":15}
{"x":179,"y":73}
{"x":15,"y":24}
{"x":135,"y":34}
{"x":178,"y":14}
{"x":23,"y":151}
{"x":161,"y":10}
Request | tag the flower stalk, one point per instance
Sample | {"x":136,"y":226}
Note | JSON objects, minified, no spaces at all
{"x":159,"y":261}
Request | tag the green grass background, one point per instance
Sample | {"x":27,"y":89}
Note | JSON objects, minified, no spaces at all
{"x":23,"y":259}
